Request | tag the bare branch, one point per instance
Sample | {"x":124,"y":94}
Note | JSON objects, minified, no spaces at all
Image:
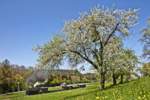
{"x":111,"y":34}
{"x":85,"y":58}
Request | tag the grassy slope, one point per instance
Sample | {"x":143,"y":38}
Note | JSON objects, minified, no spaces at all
{"x":138,"y":89}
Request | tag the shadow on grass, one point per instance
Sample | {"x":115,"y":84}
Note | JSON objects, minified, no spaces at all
{"x":84,"y":94}
{"x":53,"y":91}
{"x":12,"y":96}
{"x":118,"y":85}
{"x":21,"y":95}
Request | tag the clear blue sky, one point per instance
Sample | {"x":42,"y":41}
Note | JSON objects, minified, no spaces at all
{"x":27,"y":23}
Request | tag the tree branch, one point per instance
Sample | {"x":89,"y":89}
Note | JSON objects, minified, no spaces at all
{"x":85,"y":58}
{"x":111,"y":34}
{"x":96,"y":55}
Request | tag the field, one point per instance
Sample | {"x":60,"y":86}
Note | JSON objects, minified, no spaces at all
{"x":134,"y":90}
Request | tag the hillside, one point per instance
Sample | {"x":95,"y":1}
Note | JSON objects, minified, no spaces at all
{"x":134,"y":90}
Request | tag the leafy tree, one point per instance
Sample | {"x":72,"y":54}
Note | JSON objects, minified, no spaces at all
{"x":128,"y":64}
{"x":85,"y":39}
{"x":7,"y":75}
{"x":12,"y":77}
{"x":145,"y":70}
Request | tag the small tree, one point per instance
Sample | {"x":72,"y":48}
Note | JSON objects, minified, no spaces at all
{"x":145,"y":70}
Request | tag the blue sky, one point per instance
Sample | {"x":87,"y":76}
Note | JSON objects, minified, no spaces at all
{"x":27,"y":23}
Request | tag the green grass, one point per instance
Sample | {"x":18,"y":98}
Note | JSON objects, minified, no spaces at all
{"x":54,"y":88}
{"x":134,"y":90}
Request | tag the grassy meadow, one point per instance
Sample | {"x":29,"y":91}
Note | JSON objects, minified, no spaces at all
{"x":134,"y":90}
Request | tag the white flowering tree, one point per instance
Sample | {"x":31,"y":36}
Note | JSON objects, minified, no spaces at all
{"x":119,"y":61}
{"x":85,"y":39}
{"x":113,"y":59}
{"x":146,"y":40}
{"x":126,"y":63}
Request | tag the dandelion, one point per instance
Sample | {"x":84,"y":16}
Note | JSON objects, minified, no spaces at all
{"x":97,"y":98}
{"x":144,"y":96}
{"x":139,"y":98}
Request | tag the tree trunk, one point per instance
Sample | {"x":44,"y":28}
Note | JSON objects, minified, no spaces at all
{"x":121,"y":78}
{"x":128,"y":77}
{"x":102,"y":69}
{"x":102,"y":81}
{"x":114,"y":79}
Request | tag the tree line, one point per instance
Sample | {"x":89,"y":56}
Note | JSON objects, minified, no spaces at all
{"x":17,"y":78}
{"x":13,"y":77}
{"x":56,"y":77}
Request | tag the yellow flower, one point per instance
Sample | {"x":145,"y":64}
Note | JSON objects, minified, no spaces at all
{"x":97,"y":98}
{"x":139,"y":98}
